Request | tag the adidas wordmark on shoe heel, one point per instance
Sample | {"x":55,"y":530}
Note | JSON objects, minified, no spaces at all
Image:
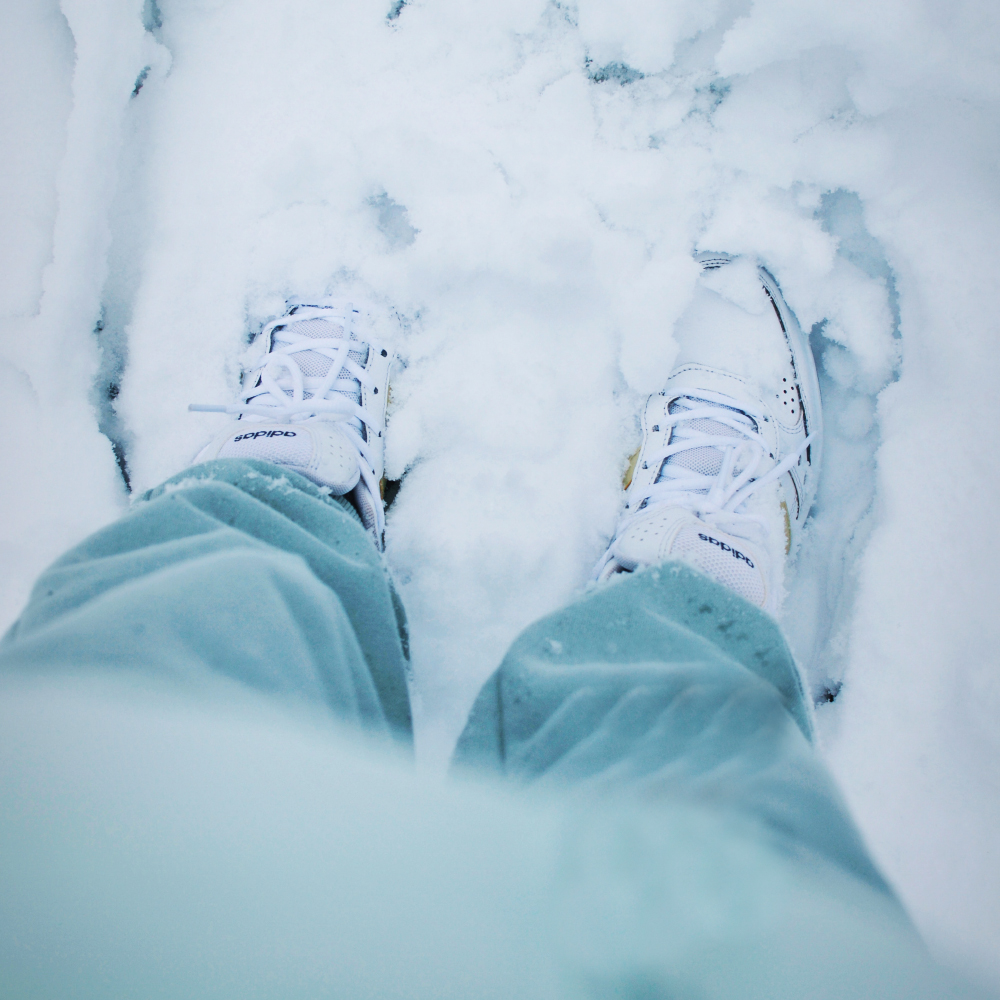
{"x":731,"y":449}
{"x":315,"y":401}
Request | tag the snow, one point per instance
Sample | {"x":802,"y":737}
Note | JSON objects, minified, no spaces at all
{"x":521,"y":187}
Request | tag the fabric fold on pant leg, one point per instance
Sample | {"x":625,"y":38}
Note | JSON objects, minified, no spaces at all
{"x":706,"y":851}
{"x":234,"y":569}
{"x":664,"y":685}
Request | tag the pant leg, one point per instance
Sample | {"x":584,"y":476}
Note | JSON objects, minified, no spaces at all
{"x":236,"y":570}
{"x":665,"y":689}
{"x":156,"y":849}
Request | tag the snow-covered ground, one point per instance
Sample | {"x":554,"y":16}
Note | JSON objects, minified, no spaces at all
{"x":520,"y":186}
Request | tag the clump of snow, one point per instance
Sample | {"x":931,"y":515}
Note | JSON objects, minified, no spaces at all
{"x":521,"y":186}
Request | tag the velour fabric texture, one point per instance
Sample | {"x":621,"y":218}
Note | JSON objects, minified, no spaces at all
{"x":234,"y":568}
{"x":665,"y":685}
{"x":646,"y":815}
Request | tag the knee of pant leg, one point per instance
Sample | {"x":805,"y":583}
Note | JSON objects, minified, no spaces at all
{"x":258,"y":616}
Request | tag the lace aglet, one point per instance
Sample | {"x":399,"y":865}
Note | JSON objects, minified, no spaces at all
{"x":207,"y":408}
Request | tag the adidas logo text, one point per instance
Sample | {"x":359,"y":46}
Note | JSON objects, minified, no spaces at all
{"x":250,"y":435}
{"x":736,"y":554}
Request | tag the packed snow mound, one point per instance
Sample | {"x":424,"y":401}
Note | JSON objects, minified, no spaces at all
{"x":521,"y":187}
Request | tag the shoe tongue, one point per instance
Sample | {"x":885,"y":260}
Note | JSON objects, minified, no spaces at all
{"x":723,"y":557}
{"x":705,"y":460}
{"x":316,"y":365}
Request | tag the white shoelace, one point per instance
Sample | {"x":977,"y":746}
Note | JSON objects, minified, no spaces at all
{"x":278,"y":390}
{"x":714,"y":498}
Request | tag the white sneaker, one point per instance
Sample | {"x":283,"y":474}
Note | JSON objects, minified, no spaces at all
{"x":314,"y":401}
{"x":731,"y":450}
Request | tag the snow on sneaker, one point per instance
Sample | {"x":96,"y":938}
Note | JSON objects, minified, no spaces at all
{"x":315,"y":402}
{"x":731,"y":449}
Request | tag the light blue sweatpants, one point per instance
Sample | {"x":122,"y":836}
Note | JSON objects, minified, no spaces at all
{"x":636,"y":807}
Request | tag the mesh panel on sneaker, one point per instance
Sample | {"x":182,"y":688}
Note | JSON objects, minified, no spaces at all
{"x":315,"y":365}
{"x":721,"y":558}
{"x":312,"y":364}
{"x":279,"y":450}
{"x":319,"y":327}
{"x":707,"y":460}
